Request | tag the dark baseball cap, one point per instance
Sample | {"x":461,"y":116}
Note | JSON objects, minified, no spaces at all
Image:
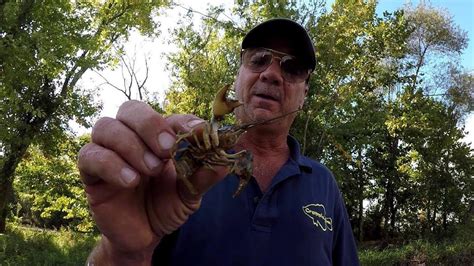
{"x":283,"y":29}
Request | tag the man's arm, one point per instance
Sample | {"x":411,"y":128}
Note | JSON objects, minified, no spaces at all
{"x":344,"y":248}
{"x":131,"y":184}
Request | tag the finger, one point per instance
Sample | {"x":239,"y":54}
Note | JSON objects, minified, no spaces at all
{"x":150,"y":126}
{"x":182,"y":123}
{"x":97,"y":163}
{"x":114,"y":135}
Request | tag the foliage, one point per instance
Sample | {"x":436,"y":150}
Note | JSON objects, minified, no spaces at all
{"x":48,"y":190}
{"x":386,"y":126}
{"x":384,"y":111}
{"x":208,"y":56}
{"x":207,"y":62}
{"x":29,"y":246}
{"x":45,"y":48}
{"x":434,"y":48}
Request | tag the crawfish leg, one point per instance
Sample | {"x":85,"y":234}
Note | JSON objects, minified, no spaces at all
{"x":206,"y":137}
{"x":232,"y":155}
{"x":184,"y":170}
{"x":243,"y":169}
{"x":216,"y":159}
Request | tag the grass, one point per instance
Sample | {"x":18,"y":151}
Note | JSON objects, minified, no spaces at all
{"x":421,"y":252}
{"x":31,"y":246}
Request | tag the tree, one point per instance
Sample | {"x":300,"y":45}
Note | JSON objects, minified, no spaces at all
{"x":357,"y":54}
{"x":48,"y":190}
{"x":208,"y":56}
{"x":133,"y":80}
{"x":371,"y":114}
{"x":45,"y":49}
{"x":435,"y":45}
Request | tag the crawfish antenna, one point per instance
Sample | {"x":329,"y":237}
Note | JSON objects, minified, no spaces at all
{"x":250,"y":125}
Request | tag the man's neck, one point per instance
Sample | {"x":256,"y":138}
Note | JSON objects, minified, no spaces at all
{"x":264,"y":143}
{"x":270,"y":152}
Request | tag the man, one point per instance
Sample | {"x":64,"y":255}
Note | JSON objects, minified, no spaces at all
{"x":291,"y":212}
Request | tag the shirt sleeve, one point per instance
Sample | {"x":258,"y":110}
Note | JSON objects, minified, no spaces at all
{"x":344,"y":246}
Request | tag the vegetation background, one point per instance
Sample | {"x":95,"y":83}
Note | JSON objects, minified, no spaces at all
{"x":385,"y":113}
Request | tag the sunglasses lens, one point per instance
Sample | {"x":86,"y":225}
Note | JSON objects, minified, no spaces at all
{"x":293,"y":70}
{"x":257,"y":59}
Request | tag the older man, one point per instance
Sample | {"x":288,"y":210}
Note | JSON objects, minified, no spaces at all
{"x":291,"y":212}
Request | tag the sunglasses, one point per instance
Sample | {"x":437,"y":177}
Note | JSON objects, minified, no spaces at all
{"x":259,"y":59}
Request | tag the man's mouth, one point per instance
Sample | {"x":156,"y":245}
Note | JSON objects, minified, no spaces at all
{"x":267,"y":96}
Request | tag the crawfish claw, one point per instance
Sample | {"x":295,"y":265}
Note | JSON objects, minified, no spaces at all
{"x":222,"y":105}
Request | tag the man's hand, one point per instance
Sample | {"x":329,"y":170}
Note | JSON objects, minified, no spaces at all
{"x":131,"y":183}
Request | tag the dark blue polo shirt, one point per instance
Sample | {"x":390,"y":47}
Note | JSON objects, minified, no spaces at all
{"x":300,"y":220}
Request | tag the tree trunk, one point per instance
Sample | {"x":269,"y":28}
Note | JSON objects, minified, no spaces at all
{"x":385,"y":209}
{"x":15,"y":146}
{"x":426,"y":226}
{"x":361,"y":219}
{"x":393,"y":218}
{"x":7,"y":169}
{"x":433,"y":220}
{"x":389,"y":206}
{"x":361,"y":182}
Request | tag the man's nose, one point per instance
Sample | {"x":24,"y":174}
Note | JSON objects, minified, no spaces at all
{"x":273,"y":73}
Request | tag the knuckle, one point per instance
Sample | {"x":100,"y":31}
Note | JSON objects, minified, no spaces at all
{"x":104,"y":157}
{"x":129,"y":105}
{"x":93,"y":154}
{"x":150,"y":120}
{"x":83,"y":153}
{"x":132,"y":107}
{"x":183,"y":122}
{"x":101,"y":125}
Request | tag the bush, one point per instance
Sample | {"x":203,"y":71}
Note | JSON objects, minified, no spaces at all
{"x":48,"y":190}
{"x":421,"y":251}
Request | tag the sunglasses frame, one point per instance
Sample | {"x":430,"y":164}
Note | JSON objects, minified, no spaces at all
{"x":281,"y":57}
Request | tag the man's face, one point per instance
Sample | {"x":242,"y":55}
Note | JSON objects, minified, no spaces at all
{"x":267,"y":94}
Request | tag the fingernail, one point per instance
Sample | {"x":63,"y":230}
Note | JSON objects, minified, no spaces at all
{"x":151,"y":160}
{"x":128,"y":175}
{"x":166,"y":140}
{"x":194,"y":123}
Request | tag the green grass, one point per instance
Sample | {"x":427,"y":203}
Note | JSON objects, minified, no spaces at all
{"x":418,"y":252}
{"x":30,"y":246}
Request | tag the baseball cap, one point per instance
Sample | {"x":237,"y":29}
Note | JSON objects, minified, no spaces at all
{"x":282,"y":28}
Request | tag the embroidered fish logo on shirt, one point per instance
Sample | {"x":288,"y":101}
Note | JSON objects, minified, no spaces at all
{"x":317,"y":213}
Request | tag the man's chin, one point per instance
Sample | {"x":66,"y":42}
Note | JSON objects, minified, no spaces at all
{"x":262,"y":114}
{"x":256,"y":115}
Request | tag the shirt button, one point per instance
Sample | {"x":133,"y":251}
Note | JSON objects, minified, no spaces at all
{"x":256,"y":199}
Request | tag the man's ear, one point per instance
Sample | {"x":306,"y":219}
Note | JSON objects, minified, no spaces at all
{"x":306,"y":88}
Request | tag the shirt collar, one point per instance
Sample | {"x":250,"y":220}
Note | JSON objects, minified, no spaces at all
{"x":295,"y":154}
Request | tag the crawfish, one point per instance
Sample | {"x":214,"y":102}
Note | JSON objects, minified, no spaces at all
{"x":210,"y":148}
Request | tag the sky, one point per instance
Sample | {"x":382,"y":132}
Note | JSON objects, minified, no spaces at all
{"x":462,"y":12}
